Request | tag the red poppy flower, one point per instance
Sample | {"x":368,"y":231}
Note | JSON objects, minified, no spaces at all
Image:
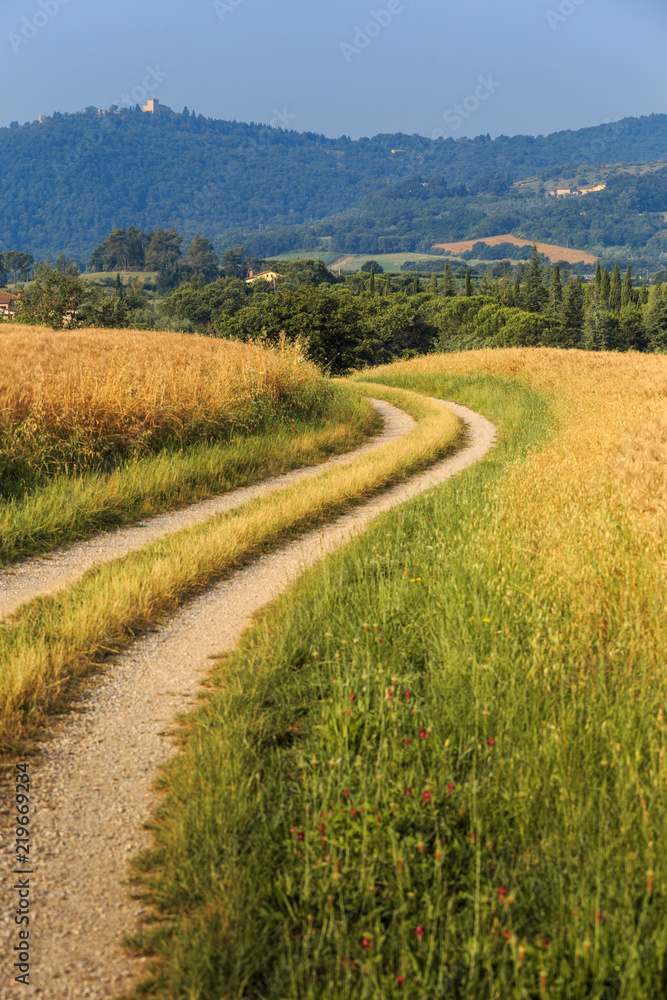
{"x":599,"y":916}
{"x":400,"y":979}
{"x":450,"y":787}
{"x":426,"y":796}
{"x":352,"y":697}
{"x":419,"y":932}
{"x":408,"y":742}
{"x":408,"y":791}
{"x":366,"y":943}
{"x":353,"y":812}
{"x":320,"y":827}
{"x":407,"y":696}
{"x":299,"y":835}
{"x":492,"y":742}
{"x":502,"y":893}
{"x":346,"y":791}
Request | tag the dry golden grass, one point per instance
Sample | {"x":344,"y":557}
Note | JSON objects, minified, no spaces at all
{"x":54,"y":639}
{"x":588,"y":509}
{"x":126,"y":387}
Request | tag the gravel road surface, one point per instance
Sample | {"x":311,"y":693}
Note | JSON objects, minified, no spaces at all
{"x":93,"y":786}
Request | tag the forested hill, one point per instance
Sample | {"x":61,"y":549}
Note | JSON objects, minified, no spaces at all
{"x":66,"y":182}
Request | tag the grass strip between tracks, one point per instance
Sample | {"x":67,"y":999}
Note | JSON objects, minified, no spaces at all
{"x":69,"y":508}
{"x":52,"y":641}
{"x":437,"y":766}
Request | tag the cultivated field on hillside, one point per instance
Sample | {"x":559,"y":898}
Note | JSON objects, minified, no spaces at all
{"x":554,"y":253}
{"x":438,"y":766}
{"x":389,"y":261}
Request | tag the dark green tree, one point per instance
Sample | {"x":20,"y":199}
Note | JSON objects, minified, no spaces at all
{"x":615,"y":291}
{"x":626,"y":292}
{"x":433,"y":285}
{"x":164,"y":249}
{"x":201,"y":260}
{"x":53,"y":300}
{"x":448,"y":288}
{"x":470,"y":290}
{"x":573,"y":312}
{"x":371,"y":282}
{"x":631,"y":335}
{"x":656,"y":320}
{"x":556,"y":291}
{"x":535,"y":295}
{"x":16,"y":261}
{"x":605,"y":288}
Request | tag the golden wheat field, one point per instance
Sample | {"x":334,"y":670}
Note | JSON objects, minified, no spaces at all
{"x":588,"y":510}
{"x":128,"y":385}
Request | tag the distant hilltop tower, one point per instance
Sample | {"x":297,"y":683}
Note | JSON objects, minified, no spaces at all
{"x":153,"y":106}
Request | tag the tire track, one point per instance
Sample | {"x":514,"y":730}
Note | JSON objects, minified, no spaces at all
{"x":93,"y":789}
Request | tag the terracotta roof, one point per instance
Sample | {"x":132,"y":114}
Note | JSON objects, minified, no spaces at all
{"x":6,"y":298}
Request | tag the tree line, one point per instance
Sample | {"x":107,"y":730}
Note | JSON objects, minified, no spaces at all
{"x":371,"y":317}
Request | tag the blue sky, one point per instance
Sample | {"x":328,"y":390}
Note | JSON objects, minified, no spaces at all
{"x":352,"y":67}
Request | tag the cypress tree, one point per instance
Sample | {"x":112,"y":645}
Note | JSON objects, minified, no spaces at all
{"x":535,"y":290}
{"x":598,"y":277}
{"x":434,"y":284}
{"x":556,"y":291}
{"x":656,"y":320}
{"x":415,"y":285}
{"x":469,"y":285}
{"x":371,"y":282}
{"x":387,"y":285}
{"x":626,"y":291}
{"x":615,"y":292}
{"x":517,"y":294}
{"x":449,"y":287}
{"x":605,"y":288}
{"x":573,"y":311}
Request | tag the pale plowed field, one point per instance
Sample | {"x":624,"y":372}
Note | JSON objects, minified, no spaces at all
{"x":554,"y":253}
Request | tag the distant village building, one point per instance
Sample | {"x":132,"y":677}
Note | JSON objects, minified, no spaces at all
{"x":262,"y":276}
{"x":153,"y":106}
{"x":8,"y":304}
{"x":579,"y":192}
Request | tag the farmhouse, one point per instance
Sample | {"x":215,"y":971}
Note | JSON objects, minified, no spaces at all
{"x":8,"y":303}
{"x":262,"y":276}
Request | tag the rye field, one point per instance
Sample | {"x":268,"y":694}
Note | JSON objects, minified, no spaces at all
{"x":437,"y":767}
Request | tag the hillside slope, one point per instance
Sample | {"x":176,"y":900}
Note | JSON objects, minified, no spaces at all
{"x":68,"y":181}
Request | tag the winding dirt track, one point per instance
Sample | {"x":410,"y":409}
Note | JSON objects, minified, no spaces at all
{"x":92,"y":791}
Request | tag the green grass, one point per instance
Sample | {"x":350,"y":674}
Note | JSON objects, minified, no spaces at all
{"x":50,"y":643}
{"x":390,"y":261}
{"x":67,"y":508}
{"x":527,"y":859}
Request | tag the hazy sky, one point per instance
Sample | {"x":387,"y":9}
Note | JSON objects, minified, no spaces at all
{"x":350,"y":67}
